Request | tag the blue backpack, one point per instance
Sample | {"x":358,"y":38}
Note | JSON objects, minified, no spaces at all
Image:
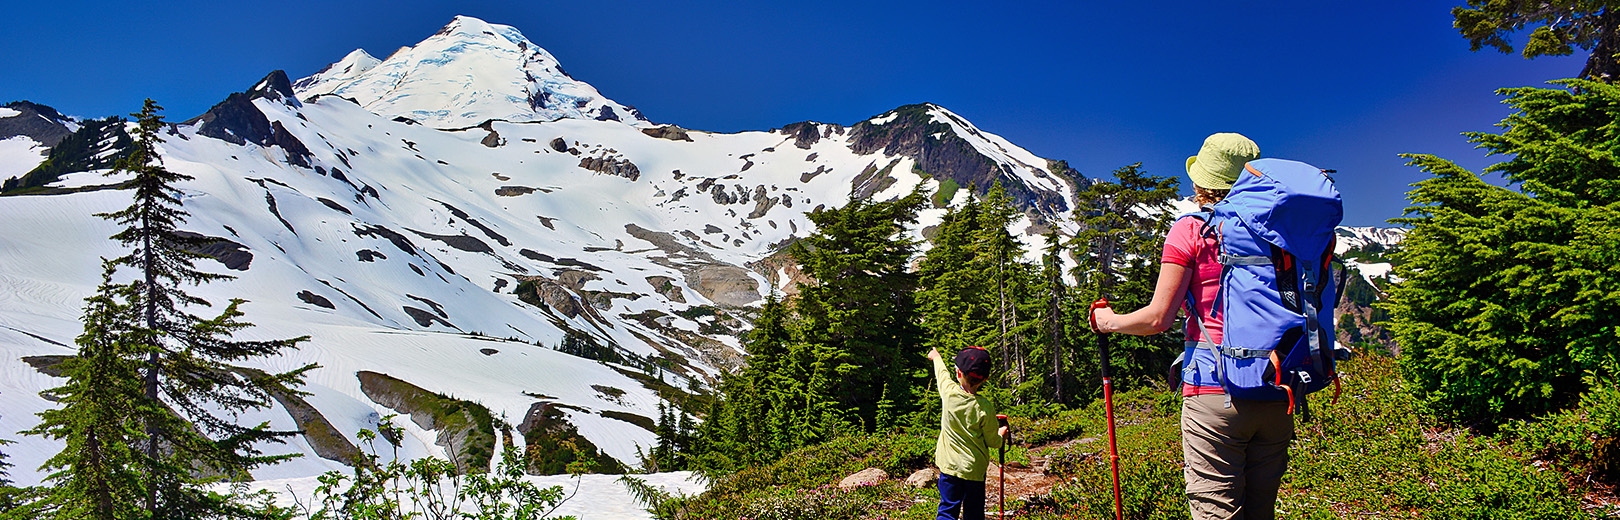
{"x":1275,"y":237}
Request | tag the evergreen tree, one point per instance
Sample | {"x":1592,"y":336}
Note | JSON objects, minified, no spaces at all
{"x":1118,"y":247}
{"x":1508,"y":301}
{"x":1559,"y":27}
{"x":98,"y":475}
{"x":664,"y":451}
{"x":190,"y":388}
{"x":952,"y":284}
{"x":859,"y":319}
{"x":1052,"y":312}
{"x":1000,"y":257}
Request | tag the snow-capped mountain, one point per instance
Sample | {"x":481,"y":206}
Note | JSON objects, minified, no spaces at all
{"x":345,"y":70}
{"x":469,"y":72}
{"x":454,"y":254}
{"x":1363,"y":237}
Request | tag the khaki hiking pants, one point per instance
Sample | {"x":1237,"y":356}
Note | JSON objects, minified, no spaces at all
{"x":1235,"y":457}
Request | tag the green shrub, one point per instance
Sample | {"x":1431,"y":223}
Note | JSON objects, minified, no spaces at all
{"x":1585,"y":440}
{"x":947,"y":191}
{"x":813,"y":468}
{"x":820,"y":503}
{"x":1378,"y":451}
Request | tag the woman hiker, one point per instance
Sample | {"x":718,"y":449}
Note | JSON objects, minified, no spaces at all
{"x":1235,"y":456}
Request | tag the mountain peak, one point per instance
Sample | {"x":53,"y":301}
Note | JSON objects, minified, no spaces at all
{"x":469,"y":72}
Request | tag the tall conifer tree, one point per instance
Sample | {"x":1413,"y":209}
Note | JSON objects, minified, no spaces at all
{"x":952,"y":284}
{"x":1123,"y":224}
{"x":1056,"y":292}
{"x":188,"y":380}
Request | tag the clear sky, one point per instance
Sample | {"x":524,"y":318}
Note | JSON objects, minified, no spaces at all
{"x":1345,"y":85}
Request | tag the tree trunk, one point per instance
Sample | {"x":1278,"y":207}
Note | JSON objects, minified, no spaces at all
{"x":1055,"y":324}
{"x":150,"y":309}
{"x":1603,"y":65}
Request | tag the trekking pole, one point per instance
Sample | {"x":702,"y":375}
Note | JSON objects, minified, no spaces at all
{"x":1108,"y":406}
{"x":1001,"y":510}
{"x":1106,"y":265}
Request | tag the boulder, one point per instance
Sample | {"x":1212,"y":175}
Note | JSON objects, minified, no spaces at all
{"x":923,"y":478}
{"x":670,"y":132}
{"x":865,"y":477}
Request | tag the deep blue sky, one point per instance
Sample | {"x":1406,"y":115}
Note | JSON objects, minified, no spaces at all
{"x":1345,"y":85}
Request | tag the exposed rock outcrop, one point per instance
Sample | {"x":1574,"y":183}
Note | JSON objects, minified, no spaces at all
{"x":808,"y":133}
{"x":494,"y":139}
{"x":234,"y":256}
{"x":236,"y":120}
{"x":670,"y":132}
{"x":41,"y":123}
{"x":722,"y":283}
{"x":612,"y":166}
{"x":465,"y":428}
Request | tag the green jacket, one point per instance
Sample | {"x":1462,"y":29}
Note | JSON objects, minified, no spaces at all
{"x":967,"y":429}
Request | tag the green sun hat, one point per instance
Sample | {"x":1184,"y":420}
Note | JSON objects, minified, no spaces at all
{"x":1219,"y":162}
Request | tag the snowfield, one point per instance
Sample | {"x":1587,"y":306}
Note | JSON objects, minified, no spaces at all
{"x":19,"y":154}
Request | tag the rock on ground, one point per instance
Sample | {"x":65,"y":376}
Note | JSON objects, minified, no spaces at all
{"x":865,"y":477}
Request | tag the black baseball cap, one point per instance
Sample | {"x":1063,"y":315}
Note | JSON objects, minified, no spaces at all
{"x":974,"y":360}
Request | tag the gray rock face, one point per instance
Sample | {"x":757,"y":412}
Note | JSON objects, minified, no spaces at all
{"x":558,"y":297}
{"x":808,"y":133}
{"x":236,"y":120}
{"x":865,"y":477}
{"x":725,"y":284}
{"x":41,"y":123}
{"x":493,"y":140}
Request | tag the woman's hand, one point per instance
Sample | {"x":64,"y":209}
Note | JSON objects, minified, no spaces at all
{"x":1101,"y":316}
{"x":933,"y":353}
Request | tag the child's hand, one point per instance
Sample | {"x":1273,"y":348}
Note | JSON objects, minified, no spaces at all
{"x":1002,"y":431}
{"x":933,"y":353}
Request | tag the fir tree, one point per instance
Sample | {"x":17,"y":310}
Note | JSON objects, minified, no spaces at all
{"x":952,"y":284}
{"x":1559,"y":27}
{"x":191,"y":389}
{"x":859,"y":317}
{"x":1121,"y":238}
{"x":98,"y":475}
{"x":999,"y":253}
{"x":1508,"y":298}
{"x":1056,"y":292}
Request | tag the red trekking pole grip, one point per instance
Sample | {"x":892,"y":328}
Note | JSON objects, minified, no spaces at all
{"x":1101,"y":303}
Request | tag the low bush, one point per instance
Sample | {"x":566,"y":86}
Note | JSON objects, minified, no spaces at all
{"x":1584,"y":441}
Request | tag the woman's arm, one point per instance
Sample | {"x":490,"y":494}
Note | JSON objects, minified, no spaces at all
{"x":1168,"y":294}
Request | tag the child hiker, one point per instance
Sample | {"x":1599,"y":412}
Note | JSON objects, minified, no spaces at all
{"x":968,"y":430}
